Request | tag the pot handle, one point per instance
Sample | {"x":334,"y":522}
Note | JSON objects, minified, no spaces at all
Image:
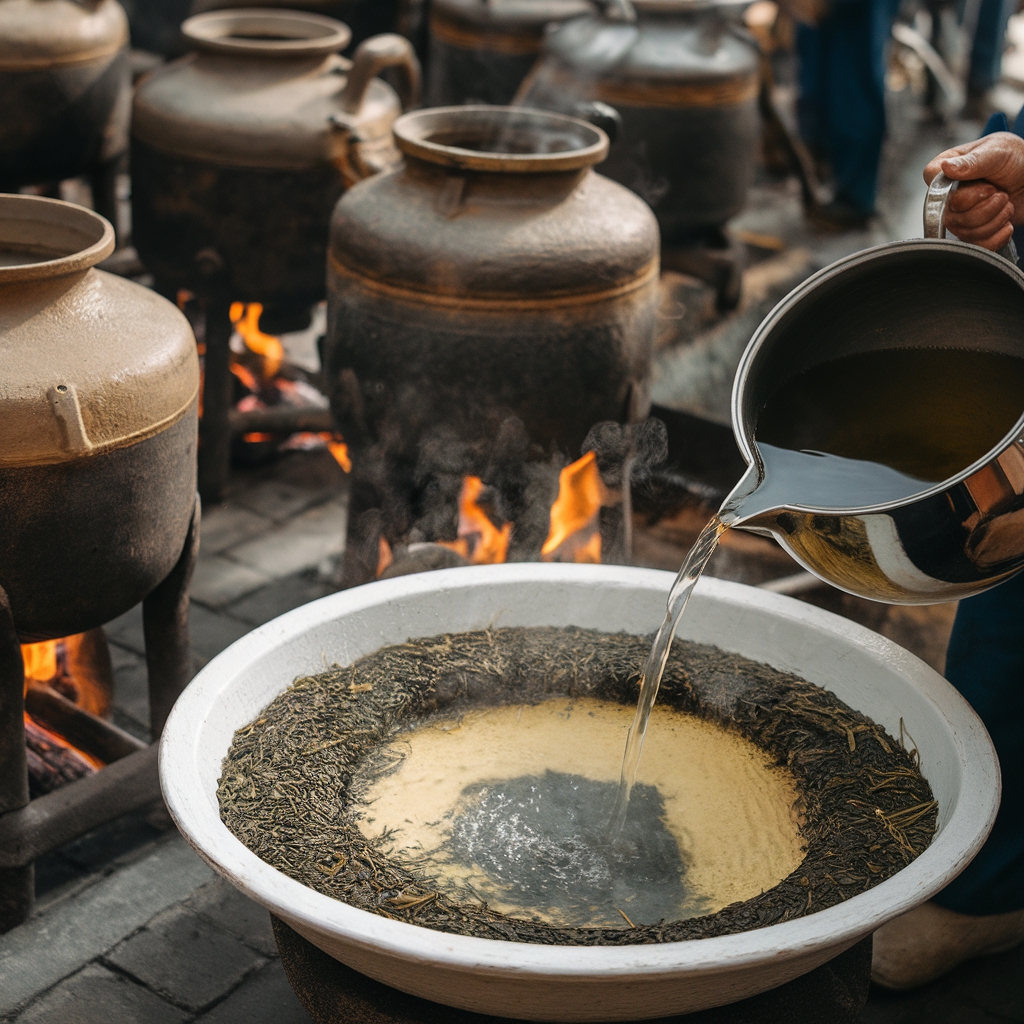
{"x":935,"y":202}
{"x":388,"y":50}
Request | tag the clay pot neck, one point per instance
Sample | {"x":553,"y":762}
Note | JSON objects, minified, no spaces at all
{"x":266,"y":34}
{"x":46,"y":238}
{"x":500,"y":140}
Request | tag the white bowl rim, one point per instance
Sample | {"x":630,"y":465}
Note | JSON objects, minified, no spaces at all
{"x":957,"y":843}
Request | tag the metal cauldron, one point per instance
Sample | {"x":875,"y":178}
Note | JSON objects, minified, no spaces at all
{"x":64,"y":80}
{"x":241,"y":149}
{"x":492,"y":274}
{"x":683,"y":78}
{"x":481,"y":51}
{"x":98,"y":385}
{"x":958,"y":537}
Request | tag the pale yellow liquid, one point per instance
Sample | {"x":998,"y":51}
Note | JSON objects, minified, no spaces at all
{"x":733,"y":815}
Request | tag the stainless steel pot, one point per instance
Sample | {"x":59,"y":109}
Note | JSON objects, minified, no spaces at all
{"x":956,"y":538}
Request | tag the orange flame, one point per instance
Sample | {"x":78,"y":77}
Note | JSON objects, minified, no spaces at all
{"x":40,"y":661}
{"x":337,"y":447}
{"x":384,"y":556}
{"x":480,"y":541}
{"x":246,"y":318}
{"x":575,"y":534}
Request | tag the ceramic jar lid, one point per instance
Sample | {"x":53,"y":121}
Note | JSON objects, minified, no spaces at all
{"x":89,"y":362}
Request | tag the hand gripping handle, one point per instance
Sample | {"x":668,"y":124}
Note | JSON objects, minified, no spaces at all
{"x":935,"y":202}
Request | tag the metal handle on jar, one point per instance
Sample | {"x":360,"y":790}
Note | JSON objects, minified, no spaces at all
{"x":373,"y":55}
{"x":935,"y":202}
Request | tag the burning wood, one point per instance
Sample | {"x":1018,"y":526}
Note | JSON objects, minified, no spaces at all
{"x":67,"y":679}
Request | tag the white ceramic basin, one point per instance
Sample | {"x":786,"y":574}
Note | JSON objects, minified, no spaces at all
{"x":566,"y":983}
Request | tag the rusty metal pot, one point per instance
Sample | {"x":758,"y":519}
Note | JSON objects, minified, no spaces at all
{"x":241,"y":149}
{"x":98,"y":386}
{"x":492,"y":274}
{"x":684,"y":79}
{"x":64,"y":81}
{"x":481,"y":50}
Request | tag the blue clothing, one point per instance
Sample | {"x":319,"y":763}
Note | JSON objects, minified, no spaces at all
{"x":841,"y":107}
{"x":987,"y":51}
{"x":985,"y":662}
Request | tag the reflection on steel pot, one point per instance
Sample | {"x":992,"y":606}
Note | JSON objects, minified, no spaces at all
{"x":480,"y":51}
{"x":98,"y":418}
{"x":64,"y":83}
{"x":492,"y":274}
{"x":952,"y":539}
{"x":241,"y":149}
{"x":684,"y":78}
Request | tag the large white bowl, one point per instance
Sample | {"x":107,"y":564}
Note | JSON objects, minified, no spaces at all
{"x":566,"y":983}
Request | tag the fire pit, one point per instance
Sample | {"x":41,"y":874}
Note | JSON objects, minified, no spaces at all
{"x":541,"y":982}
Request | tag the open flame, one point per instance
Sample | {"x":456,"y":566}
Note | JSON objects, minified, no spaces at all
{"x":246,"y":318}
{"x":575,"y":534}
{"x":480,"y":542}
{"x":68,"y":667}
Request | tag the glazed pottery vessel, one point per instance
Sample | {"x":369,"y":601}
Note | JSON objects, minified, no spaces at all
{"x":98,"y":385}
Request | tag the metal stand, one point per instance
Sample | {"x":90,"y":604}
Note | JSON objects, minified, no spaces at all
{"x":215,"y":426}
{"x":30,"y":829}
{"x":332,"y":993}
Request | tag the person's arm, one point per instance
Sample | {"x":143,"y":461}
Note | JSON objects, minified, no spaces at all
{"x":986,"y":210}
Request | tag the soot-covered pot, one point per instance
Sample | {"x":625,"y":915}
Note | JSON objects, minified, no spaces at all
{"x":481,"y":50}
{"x":98,"y":385}
{"x":684,"y":79}
{"x":493,"y":273}
{"x":64,"y":82}
{"x":241,"y":149}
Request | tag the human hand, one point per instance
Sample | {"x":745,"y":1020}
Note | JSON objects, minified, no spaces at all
{"x":986,"y":210}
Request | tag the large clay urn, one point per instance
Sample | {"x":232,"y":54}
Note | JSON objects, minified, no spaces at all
{"x":241,"y":149}
{"x":64,"y":84}
{"x":684,"y":79}
{"x":98,"y":384}
{"x":481,"y":50}
{"x":494,"y":273}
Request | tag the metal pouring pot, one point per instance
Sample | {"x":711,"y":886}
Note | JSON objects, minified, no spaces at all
{"x":955,"y":538}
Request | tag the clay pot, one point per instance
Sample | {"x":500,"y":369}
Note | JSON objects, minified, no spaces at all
{"x":492,"y":274}
{"x":64,"y":80}
{"x":98,"y":386}
{"x":481,"y":51}
{"x":684,"y":80}
{"x":364,"y":17}
{"x":241,"y":149}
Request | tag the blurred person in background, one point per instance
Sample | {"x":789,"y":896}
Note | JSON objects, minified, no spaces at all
{"x":980,"y":912}
{"x":842,"y":46}
{"x":986,"y":51}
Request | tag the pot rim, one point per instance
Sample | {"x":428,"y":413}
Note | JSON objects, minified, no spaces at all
{"x":412,"y":134}
{"x":304,"y":34}
{"x":197,"y":817}
{"x":788,"y":302}
{"x":86,"y":237}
